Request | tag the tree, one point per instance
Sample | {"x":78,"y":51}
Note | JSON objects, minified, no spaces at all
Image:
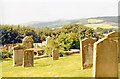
{"x":68,"y":41}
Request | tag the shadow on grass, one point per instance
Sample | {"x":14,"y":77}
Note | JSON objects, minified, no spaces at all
{"x":7,"y":59}
{"x":35,"y":63}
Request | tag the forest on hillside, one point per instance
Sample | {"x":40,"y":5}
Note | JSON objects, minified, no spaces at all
{"x":15,"y":33}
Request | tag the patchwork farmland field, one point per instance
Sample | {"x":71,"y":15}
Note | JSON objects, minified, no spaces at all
{"x":107,"y":26}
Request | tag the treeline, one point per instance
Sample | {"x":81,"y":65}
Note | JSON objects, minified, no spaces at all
{"x":15,"y":33}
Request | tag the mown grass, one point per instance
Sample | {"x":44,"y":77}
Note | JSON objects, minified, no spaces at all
{"x":68,"y":66}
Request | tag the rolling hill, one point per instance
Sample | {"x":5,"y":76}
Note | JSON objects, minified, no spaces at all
{"x":104,"y":22}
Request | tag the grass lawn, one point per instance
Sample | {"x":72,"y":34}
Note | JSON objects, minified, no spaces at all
{"x":68,"y":66}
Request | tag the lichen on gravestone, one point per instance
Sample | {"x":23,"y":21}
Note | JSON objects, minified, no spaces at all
{"x":28,"y":42}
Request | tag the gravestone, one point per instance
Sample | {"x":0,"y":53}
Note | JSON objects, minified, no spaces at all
{"x":28,"y":42}
{"x":28,"y":58}
{"x":86,"y":49}
{"x":39,"y":51}
{"x":105,"y":58}
{"x":55,"y":54}
{"x":18,"y":55}
{"x":115,"y":36}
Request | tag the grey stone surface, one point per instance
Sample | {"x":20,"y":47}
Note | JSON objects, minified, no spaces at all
{"x":55,"y":54}
{"x":86,"y":50}
{"x":115,"y":36}
{"x":28,"y":58}
{"x":28,"y":41}
{"x":18,"y":55}
{"x":105,"y":58}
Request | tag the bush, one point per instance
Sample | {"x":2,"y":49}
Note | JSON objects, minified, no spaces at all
{"x":68,"y":41}
{"x":61,"y":54}
{"x":6,"y":54}
{"x":48,"y":51}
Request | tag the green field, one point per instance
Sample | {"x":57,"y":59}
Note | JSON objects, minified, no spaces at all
{"x":68,"y":66}
{"x":107,"y":26}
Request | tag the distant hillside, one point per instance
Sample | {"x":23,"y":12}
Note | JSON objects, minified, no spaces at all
{"x":109,"y":22}
{"x":52,"y":24}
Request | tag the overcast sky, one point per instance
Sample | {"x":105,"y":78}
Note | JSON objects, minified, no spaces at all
{"x":22,"y":11}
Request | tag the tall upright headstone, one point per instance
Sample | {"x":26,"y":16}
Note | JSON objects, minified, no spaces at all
{"x":28,"y":42}
{"x":105,"y":58}
{"x":28,"y":58}
{"x":18,"y":55}
{"x":86,"y":50}
{"x":115,"y":36}
{"x":55,"y":54}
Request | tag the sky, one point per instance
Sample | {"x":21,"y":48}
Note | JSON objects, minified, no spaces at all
{"x":23,"y":11}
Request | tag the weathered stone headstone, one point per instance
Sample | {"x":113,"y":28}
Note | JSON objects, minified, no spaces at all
{"x":55,"y":54}
{"x":105,"y":58}
{"x":115,"y":36}
{"x":28,"y":42}
{"x":39,"y":51}
{"x":18,"y":55}
{"x":28,"y":58}
{"x":48,"y":39}
{"x":118,"y":49}
{"x":86,"y":50}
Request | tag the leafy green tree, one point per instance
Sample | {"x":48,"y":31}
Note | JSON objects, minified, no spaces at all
{"x":68,"y":41}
